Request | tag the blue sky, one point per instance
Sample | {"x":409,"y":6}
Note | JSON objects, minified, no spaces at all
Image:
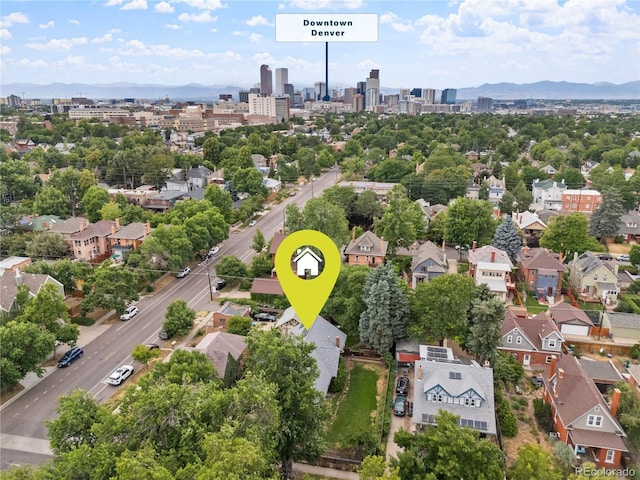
{"x":438,"y":44}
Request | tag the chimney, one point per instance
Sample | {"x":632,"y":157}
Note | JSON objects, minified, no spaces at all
{"x":552,"y":366}
{"x":51,"y":225}
{"x":420,"y":372}
{"x":382,"y":244}
{"x":147,"y":228}
{"x":615,"y":400}
{"x":353,"y":233}
{"x":338,"y":341}
{"x":560,"y":373}
{"x":117,"y":224}
{"x":493,"y":256}
{"x":473,"y":247}
{"x":560,"y":257}
{"x":44,"y":224}
{"x":113,"y":229}
{"x":19,"y":277}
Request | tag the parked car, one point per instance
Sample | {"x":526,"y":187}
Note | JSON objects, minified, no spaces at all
{"x":400,"y":406}
{"x":604,"y":256}
{"x":264,"y":317}
{"x":120,"y":374}
{"x":163,"y":335}
{"x":71,"y":356}
{"x":184,"y":272}
{"x":129,"y":313}
{"x":402,"y":386}
{"x":220,"y":284}
{"x":537,"y":381}
{"x":252,"y":223}
{"x":152,"y":346}
{"x":623,"y":258}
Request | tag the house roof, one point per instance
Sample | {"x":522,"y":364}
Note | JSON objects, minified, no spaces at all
{"x":39,"y":223}
{"x":218,"y":346}
{"x":133,"y":231}
{"x":567,"y":313}
{"x":376,"y":245}
{"x":483,"y":254}
{"x":630,"y":224}
{"x":528,"y":220}
{"x":199,"y":172}
{"x":69,"y":226}
{"x":233,"y":309}
{"x":101,"y":228}
{"x":267,"y":286}
{"x":634,"y":371}
{"x":600,"y":372}
{"x":9,"y":281}
{"x":428,"y":250}
{"x":549,"y":183}
{"x":598,"y":439}
{"x":277,"y":239}
{"x":540,"y":258}
{"x":534,"y":329}
{"x":575,"y":393}
{"x":624,"y":320}
{"x":467,"y":376}
{"x":588,"y":262}
{"x":271,"y":183}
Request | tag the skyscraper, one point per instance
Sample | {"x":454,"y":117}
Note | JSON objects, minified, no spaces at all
{"x":484,"y":104}
{"x":372,"y":97}
{"x":429,"y":95}
{"x":282,"y":78}
{"x":449,"y":96}
{"x":320,"y":90}
{"x":266,"y":80}
{"x":416,"y":92}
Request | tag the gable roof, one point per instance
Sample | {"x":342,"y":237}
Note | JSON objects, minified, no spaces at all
{"x":218,"y":346}
{"x":377,"y":246}
{"x":199,"y":172}
{"x":10,"y":280}
{"x":429,"y":250}
{"x":69,"y":226}
{"x":101,"y":228}
{"x":588,"y":262}
{"x":541,"y":259}
{"x":534,"y":329}
{"x":133,"y":231}
{"x":267,"y":286}
{"x":548,"y":183}
{"x":483,"y":254}
{"x":567,"y":313}
{"x":527,"y":219}
{"x":277,"y":239}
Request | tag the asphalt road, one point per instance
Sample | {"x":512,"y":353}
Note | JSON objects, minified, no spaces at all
{"x":22,"y":428}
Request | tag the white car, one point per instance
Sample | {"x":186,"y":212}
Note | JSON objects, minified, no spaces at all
{"x":129,"y":313}
{"x":184,"y":272}
{"x":120,"y":374}
{"x":252,"y":223}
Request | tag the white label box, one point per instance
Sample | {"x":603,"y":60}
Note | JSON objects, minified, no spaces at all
{"x":326,"y":27}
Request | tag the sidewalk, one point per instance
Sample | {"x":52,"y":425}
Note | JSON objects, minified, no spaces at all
{"x":325,"y":472}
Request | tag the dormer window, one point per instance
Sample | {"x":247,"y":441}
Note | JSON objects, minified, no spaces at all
{"x":365,"y":248}
{"x":552,"y":343}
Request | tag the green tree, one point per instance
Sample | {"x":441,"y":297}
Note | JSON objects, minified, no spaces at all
{"x":259,"y":241}
{"x":605,"y":221}
{"x":344,"y":197}
{"x":507,"y":238}
{"x":143,"y":354}
{"x":484,"y":334}
{"x":467,"y":221}
{"x":46,"y":245}
{"x":232,"y":270}
{"x":508,"y":203}
{"x":93,"y":200}
{"x":628,"y":413}
{"x":212,"y":149}
{"x":51,"y":201}
{"x":568,"y":234}
{"x":110,"y":288}
{"x":634,"y":254}
{"x":157,"y":169}
{"x":346,"y":303}
{"x":286,"y":362}
{"x":183,"y":368}
{"x":507,"y":369}
{"x":261,"y":265}
{"x":533,"y":463}
{"x":248,"y":180}
{"x":374,"y":467}
{"x":239,"y":325}
{"x":221,"y":199}
{"x":141,"y":464}
{"x":110,"y":211}
{"x":168,"y":247}
{"x":179,"y":319}
{"x":402,"y":221}
{"x":448,"y":452}
{"x":367,"y":206}
{"x":439,"y":307}
{"x":384,"y":320}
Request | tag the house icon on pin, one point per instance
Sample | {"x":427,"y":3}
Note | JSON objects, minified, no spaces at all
{"x":307,"y":263}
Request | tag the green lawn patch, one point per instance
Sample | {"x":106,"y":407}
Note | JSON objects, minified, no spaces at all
{"x":533,"y":306}
{"x":354,"y":411}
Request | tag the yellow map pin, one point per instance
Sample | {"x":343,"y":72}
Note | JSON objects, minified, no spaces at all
{"x":307,"y":296}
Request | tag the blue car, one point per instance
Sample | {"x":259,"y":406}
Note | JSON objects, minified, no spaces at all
{"x":70,"y":357}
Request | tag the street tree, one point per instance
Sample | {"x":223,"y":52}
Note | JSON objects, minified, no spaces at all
{"x":448,"y":452}
{"x":179,"y":319}
{"x":402,"y":222}
{"x":385,"y":318}
{"x":321,"y":215}
{"x":93,"y":200}
{"x":634,"y":254}
{"x":439,"y":307}
{"x":143,"y":354}
{"x":109,"y":287}
{"x":605,"y":221}
{"x":232,"y":270}
{"x":507,"y":238}
{"x":469,"y":220}
{"x":261,"y":265}
{"x":285,"y":361}
{"x":221,"y":199}
{"x":484,"y":334}
{"x":534,"y":462}
{"x":568,"y":234}
{"x":168,"y":247}
{"x":259,"y":241}
{"x":183,"y":368}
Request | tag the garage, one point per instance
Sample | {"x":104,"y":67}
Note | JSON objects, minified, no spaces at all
{"x":582,"y":330}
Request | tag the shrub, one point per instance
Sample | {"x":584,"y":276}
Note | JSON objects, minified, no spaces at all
{"x":339,"y":381}
{"x":635,"y":351}
{"x":542,"y":412}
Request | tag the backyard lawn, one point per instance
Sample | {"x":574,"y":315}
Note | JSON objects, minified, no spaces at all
{"x":355,"y":409}
{"x":533,"y":306}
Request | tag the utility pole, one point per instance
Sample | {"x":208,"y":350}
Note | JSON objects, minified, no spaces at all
{"x":209,"y":279}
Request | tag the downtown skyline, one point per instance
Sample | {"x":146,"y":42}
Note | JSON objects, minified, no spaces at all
{"x":436,"y":44}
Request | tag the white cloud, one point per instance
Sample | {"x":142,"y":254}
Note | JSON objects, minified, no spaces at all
{"x":172,"y":26}
{"x":388,"y":17}
{"x":225,"y":57}
{"x":163,"y":7}
{"x":367,"y":65}
{"x":328,"y":4}
{"x":263,"y":58}
{"x":257,"y":20}
{"x":58,"y":44}
{"x":193,"y":17}
{"x":135,"y":5}
{"x":28,"y":63}
{"x":49,"y":24}
{"x":255,"y":38}
{"x":4,"y":50}
{"x":402,"y":27}
{"x":214,"y":30}
{"x":137,"y":48}
{"x":5,"y":34}
{"x":107,"y":37}
{"x":70,"y":60}
{"x":204,"y":4}
{"x":73,"y":21}
{"x":113,"y":3}
{"x":12,"y":18}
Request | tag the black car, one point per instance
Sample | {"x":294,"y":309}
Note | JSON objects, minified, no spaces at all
{"x":264,"y":317}
{"x":70,"y":357}
{"x":402,"y":386}
{"x":220,"y":284}
{"x":537,"y":381}
{"x":152,"y":346}
{"x":400,"y":406}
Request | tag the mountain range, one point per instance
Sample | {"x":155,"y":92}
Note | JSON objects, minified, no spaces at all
{"x":500,"y":91}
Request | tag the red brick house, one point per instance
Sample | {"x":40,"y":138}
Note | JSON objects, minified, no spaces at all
{"x":368,"y":249}
{"x":582,"y":417}
{"x":541,"y":270}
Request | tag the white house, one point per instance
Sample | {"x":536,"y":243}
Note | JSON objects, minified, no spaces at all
{"x":307,"y":263}
{"x":547,"y":194}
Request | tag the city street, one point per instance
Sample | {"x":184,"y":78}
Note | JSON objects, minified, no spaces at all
{"x":22,"y":429}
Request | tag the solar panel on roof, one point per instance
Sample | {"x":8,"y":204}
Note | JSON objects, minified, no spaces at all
{"x":437,"y":352}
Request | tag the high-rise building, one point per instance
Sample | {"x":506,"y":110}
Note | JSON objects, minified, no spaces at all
{"x":282,"y":78}
{"x":320,"y":90}
{"x":288,"y":91}
{"x":449,"y":96}
{"x":348,"y":95}
{"x":266,"y":80}
{"x":484,"y":104}
{"x":404,"y":94}
{"x":372,"y":96}
{"x":375,"y":74}
{"x":361,"y":89}
{"x":243,"y":96}
{"x":269,"y":105}
{"x":429,"y":95}
{"x":416,"y":92}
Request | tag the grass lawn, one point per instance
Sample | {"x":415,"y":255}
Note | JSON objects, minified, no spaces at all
{"x":354,"y":411}
{"x":533,"y":306}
